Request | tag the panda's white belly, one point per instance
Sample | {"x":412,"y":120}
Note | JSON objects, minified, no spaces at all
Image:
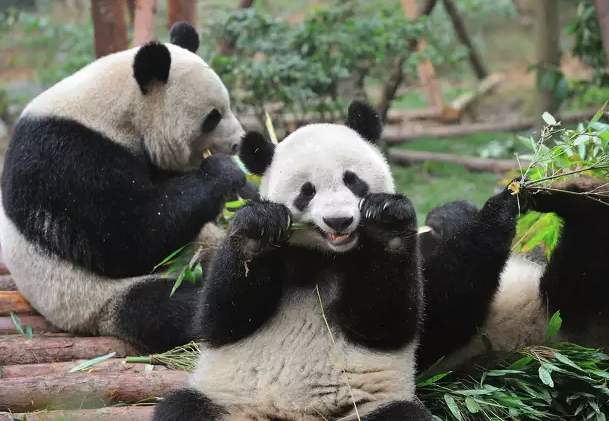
{"x":292,"y":368}
{"x":67,"y":296}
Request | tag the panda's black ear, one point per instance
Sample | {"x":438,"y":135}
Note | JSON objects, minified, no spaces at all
{"x":256,"y":152}
{"x":151,"y":63}
{"x":184,"y":35}
{"x":365,"y":120}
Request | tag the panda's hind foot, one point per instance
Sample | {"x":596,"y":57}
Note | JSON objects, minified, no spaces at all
{"x":187,"y":404}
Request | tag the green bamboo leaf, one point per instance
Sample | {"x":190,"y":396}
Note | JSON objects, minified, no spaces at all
{"x":171,"y":256}
{"x":545,"y":376}
{"x":472,"y":405}
{"x":453,"y":407}
{"x":553,"y":326}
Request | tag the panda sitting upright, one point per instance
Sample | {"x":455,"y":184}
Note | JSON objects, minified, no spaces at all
{"x":104,"y":177}
{"x":316,"y":323}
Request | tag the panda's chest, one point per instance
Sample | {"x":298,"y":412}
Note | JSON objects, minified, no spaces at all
{"x":298,"y":363}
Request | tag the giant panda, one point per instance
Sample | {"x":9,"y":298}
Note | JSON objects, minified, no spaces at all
{"x":319,"y":323}
{"x":508,"y":296}
{"x":104,"y":177}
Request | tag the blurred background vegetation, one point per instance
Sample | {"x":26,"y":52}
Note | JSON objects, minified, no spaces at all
{"x":304,"y":61}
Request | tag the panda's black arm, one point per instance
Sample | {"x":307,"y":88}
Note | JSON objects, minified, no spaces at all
{"x":462,"y":275}
{"x":379,"y":303}
{"x":576,"y":281}
{"x":243,"y":288}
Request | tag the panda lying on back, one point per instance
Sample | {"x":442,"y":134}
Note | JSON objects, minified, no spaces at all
{"x":267,"y":353}
{"x":508,"y":296}
{"x":104,"y":177}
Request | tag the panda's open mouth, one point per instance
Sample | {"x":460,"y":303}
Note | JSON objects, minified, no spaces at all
{"x":338,"y":239}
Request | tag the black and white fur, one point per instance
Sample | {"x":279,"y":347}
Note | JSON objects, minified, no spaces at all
{"x":511,"y":297}
{"x":267,"y":352}
{"x":104,"y":177}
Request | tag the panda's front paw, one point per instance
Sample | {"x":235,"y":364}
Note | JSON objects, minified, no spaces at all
{"x":388,"y":218}
{"x":259,"y":225}
{"x":227,"y":174}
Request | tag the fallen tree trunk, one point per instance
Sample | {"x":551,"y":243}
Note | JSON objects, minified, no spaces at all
{"x":7,"y":283}
{"x":45,"y":350}
{"x":466,"y":130}
{"x":117,"y":413}
{"x":3,"y":268}
{"x":14,"y":302}
{"x":116,"y":365}
{"x":22,"y":394}
{"x":454,"y":112}
{"x":474,"y":164}
{"x":37,"y":323}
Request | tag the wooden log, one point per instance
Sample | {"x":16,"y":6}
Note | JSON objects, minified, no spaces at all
{"x":14,"y":302}
{"x":403,"y":136}
{"x":7,"y":283}
{"x":454,"y":112}
{"x":3,"y":268}
{"x":37,"y":323}
{"x":116,"y":365}
{"x":44,"y":350}
{"x":474,"y":164}
{"x":116,"y":413}
{"x":23,"y":394}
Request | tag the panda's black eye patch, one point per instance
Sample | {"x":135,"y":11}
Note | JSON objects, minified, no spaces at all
{"x":358,"y":186}
{"x":211,"y":121}
{"x":307,"y":192}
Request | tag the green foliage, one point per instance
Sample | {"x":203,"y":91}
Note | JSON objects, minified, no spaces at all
{"x":551,"y":382}
{"x":588,"y":47}
{"x":300,"y":67}
{"x":583,"y":150}
{"x":55,"y":51}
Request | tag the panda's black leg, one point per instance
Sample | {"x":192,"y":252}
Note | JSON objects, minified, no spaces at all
{"x":576,"y":280}
{"x":379,"y":305}
{"x":244,"y":285}
{"x":149,"y":317}
{"x":400,"y":411}
{"x":462,"y":275}
{"x":187,"y":404}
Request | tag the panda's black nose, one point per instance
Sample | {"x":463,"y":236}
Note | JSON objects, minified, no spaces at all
{"x":338,"y":224}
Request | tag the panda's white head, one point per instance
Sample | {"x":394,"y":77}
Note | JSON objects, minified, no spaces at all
{"x":321,"y":172}
{"x":158,"y":98}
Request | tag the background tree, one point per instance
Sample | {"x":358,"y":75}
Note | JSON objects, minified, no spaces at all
{"x":110,"y":26}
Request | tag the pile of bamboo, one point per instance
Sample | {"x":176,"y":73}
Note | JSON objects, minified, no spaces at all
{"x":49,"y":375}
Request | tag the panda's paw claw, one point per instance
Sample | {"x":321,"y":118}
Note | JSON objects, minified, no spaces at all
{"x":263,"y":222}
{"x":387,"y":208}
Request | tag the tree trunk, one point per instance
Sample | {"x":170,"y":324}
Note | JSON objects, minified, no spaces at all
{"x":226,"y":46}
{"x":181,"y":11}
{"x":117,"y":413}
{"x":397,"y":74}
{"x":22,"y":394}
{"x":427,"y":74}
{"x":44,"y":350}
{"x":143,"y":24}
{"x":602,"y":13}
{"x":131,"y":11}
{"x":548,"y":58}
{"x":474,"y":57}
{"x":109,"y":26}
{"x":115,"y":365}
